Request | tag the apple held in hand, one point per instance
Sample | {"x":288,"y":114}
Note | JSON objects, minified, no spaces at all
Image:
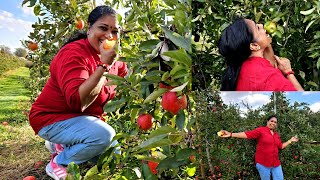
{"x":145,"y":121}
{"x":108,"y":44}
{"x":220,"y":133}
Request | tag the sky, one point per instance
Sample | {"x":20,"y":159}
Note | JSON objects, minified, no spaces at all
{"x":16,"y":21}
{"x":257,"y":99}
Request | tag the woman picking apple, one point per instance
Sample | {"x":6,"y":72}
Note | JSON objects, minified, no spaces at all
{"x":67,"y":114}
{"x":268,"y":145}
{"x":251,"y":63}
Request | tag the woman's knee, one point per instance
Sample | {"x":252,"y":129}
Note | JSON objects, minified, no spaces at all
{"x":104,"y":135}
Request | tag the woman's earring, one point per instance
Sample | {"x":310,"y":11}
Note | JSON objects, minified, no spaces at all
{"x":258,"y":48}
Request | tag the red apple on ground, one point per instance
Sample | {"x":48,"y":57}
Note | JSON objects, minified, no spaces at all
{"x":5,"y":123}
{"x":30,"y":178}
{"x":38,"y":164}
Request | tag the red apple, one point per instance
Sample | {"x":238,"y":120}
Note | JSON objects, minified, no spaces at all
{"x":172,"y":103}
{"x":144,"y":121}
{"x":38,"y":164}
{"x":32,"y":45}
{"x":153,"y":165}
{"x":108,"y":44}
{"x":5,"y":123}
{"x":79,"y":24}
{"x":30,"y":178}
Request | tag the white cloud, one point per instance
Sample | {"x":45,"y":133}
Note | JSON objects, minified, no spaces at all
{"x":315,"y":107}
{"x":27,"y":11}
{"x":10,"y":22}
{"x":13,"y":30}
{"x":305,"y":93}
{"x":253,"y":99}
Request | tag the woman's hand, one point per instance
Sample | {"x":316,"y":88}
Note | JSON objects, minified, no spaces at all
{"x":107,"y":56}
{"x":294,"y":138}
{"x":225,"y":134}
{"x":283,"y":64}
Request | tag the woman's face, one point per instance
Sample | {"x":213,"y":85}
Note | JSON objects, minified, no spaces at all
{"x":272,"y":123}
{"x":259,"y":34}
{"x":106,"y":27}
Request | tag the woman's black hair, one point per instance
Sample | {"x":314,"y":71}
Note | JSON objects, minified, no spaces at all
{"x":234,"y":46}
{"x":271,"y":116}
{"x":95,"y":14}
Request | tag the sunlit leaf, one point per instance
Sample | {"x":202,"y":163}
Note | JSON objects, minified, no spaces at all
{"x":307,"y":12}
{"x":177,"y":39}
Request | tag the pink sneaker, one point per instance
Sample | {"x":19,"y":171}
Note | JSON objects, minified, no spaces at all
{"x":55,"y":171}
{"x":53,"y":148}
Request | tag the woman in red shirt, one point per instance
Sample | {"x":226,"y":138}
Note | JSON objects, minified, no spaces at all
{"x":268,"y":145}
{"x":251,"y":64}
{"x":67,"y":114}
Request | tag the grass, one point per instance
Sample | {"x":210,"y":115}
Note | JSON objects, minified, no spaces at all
{"x":20,"y":148}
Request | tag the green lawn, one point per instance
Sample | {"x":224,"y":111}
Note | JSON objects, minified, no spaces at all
{"x":20,"y":148}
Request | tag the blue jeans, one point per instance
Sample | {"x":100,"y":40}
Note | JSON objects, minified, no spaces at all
{"x":265,"y":172}
{"x":83,"y":138}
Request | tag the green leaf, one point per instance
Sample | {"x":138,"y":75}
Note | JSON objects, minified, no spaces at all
{"x":180,"y":56}
{"x":183,"y":154}
{"x":149,"y":44}
{"x":170,"y":163}
{"x":147,"y":174}
{"x":191,"y":170}
{"x":152,"y":140}
{"x":308,"y":26}
{"x":36,"y":10}
{"x":177,"y":39}
{"x":312,"y":83}
{"x":134,"y":112}
{"x":162,"y":130}
{"x":155,"y":94}
{"x":105,"y":158}
{"x":180,"y":119}
{"x":24,"y":2}
{"x":32,"y":3}
{"x":93,"y":173}
{"x":307,"y":12}
{"x":136,"y":8}
{"x":113,"y":77}
{"x":318,"y":64}
{"x":120,"y":135}
{"x":146,"y":158}
{"x":114,"y":105}
{"x":179,"y":88}
{"x":74,"y":171}
{"x":177,"y":68}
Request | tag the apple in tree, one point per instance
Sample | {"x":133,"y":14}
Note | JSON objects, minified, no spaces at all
{"x":145,"y":121}
{"x":153,"y":165}
{"x":79,"y":24}
{"x":32,"y":45}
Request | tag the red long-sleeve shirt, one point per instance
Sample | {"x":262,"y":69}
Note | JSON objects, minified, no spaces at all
{"x":257,"y":74}
{"x":60,"y":99}
{"x":268,"y":145}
